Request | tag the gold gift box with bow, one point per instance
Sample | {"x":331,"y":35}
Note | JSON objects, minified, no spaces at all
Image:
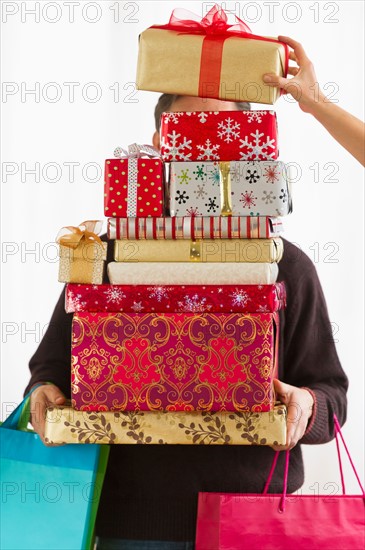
{"x":82,"y":254}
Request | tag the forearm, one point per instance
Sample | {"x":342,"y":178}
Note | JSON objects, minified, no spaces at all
{"x":348,"y":130}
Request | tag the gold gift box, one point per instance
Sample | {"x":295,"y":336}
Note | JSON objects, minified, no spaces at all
{"x":223,"y":250}
{"x":84,"y":264}
{"x":192,"y":273}
{"x":65,"y":425}
{"x":169,"y":61}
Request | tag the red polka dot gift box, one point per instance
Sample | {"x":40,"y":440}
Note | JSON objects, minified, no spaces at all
{"x":134,"y":183}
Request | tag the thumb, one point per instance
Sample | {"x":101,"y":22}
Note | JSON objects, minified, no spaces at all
{"x":282,"y":391}
{"x":54,"y":395}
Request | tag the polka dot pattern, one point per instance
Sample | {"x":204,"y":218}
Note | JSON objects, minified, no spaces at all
{"x":133,"y":188}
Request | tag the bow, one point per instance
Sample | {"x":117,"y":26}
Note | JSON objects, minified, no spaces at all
{"x":71,"y":236}
{"x":136,"y":151}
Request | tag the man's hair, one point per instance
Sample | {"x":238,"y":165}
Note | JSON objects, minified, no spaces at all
{"x":166,"y":100}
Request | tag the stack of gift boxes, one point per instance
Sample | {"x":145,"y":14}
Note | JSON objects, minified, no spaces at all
{"x":182,"y":345}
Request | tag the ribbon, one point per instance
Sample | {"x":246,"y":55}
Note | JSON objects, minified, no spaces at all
{"x":134,"y":152}
{"x":88,"y":231}
{"x":216,"y":29}
{"x":225,"y":185}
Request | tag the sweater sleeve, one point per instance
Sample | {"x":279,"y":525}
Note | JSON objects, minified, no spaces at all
{"x":310,"y":357}
{"x":52,"y":360}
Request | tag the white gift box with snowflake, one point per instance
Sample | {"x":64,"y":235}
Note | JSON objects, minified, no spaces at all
{"x":219,"y":135}
{"x":238,"y":188}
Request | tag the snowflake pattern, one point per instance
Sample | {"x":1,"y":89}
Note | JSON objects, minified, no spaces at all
{"x":257,"y":148}
{"x":255,"y":116}
{"x":200,"y":191}
{"x":194,"y":304}
{"x":228,"y":130}
{"x":173,"y":150}
{"x":114,"y":295}
{"x":202,"y":116}
{"x":137,"y":307}
{"x":208,"y":151}
{"x":172,"y":116}
{"x":252,"y":176}
{"x":239,"y":297}
{"x":199,"y":172}
{"x":271,"y":174}
{"x":193,"y":211}
{"x":181,"y":197}
{"x":263,"y":309}
{"x":184,"y":176}
{"x":159,"y":293}
{"x":211,"y":205}
{"x":268,"y":197}
{"x":283,"y":195}
{"x":74,"y":302}
{"x":248,"y":199}
{"x":214,"y":175}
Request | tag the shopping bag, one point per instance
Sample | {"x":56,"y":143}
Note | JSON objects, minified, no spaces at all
{"x":49,"y":495}
{"x":280,"y":521}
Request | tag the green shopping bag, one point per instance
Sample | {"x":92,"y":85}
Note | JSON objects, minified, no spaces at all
{"x":49,"y":495}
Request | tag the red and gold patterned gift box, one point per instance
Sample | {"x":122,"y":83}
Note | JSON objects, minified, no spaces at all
{"x":134,"y":185}
{"x":209,"y":58}
{"x":174,"y":362}
{"x":195,"y":227}
{"x":219,"y":135}
{"x":176,"y":298}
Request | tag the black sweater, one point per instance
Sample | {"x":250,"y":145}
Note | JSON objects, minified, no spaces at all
{"x":150,"y":491}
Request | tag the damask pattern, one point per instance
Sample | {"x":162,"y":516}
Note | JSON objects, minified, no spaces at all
{"x":173,"y":361}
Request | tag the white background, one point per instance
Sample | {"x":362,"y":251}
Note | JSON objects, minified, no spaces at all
{"x":39,"y":130}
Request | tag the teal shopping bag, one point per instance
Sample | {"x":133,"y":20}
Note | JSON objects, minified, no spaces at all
{"x":49,"y":495}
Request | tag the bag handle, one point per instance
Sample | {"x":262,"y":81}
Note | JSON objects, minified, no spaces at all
{"x":19,"y":418}
{"x":338,"y":433}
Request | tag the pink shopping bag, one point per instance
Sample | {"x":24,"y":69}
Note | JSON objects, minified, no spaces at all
{"x":265,"y":521}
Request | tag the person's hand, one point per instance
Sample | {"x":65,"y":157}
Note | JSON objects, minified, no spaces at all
{"x":299,"y":403}
{"x":42,"y":397}
{"x":303,"y":87}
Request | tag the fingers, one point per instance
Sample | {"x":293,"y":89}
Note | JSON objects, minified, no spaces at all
{"x":41,"y":398}
{"x":275,"y":80}
{"x":293,"y":70}
{"x":297,"y":47}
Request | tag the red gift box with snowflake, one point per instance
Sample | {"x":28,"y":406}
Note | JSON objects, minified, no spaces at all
{"x":176,"y":298}
{"x":237,"y":188}
{"x":219,"y":135}
{"x":134,"y":185}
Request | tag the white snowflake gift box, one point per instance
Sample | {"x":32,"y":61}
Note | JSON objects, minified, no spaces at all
{"x":219,"y":135}
{"x":236,"y":188}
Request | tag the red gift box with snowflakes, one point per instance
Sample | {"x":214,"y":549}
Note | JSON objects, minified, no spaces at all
{"x":219,"y":135}
{"x":134,"y":187}
{"x":237,"y":188}
{"x":175,"y":298}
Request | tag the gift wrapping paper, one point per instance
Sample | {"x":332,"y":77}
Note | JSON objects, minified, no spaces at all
{"x":173,"y":361}
{"x":224,"y":250}
{"x":134,"y":187}
{"x":176,"y":298}
{"x":84,"y":264}
{"x":235,"y":188}
{"x":183,"y":273}
{"x":219,"y":135}
{"x":195,"y":227}
{"x":208,"y":65}
{"x":65,"y":425}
